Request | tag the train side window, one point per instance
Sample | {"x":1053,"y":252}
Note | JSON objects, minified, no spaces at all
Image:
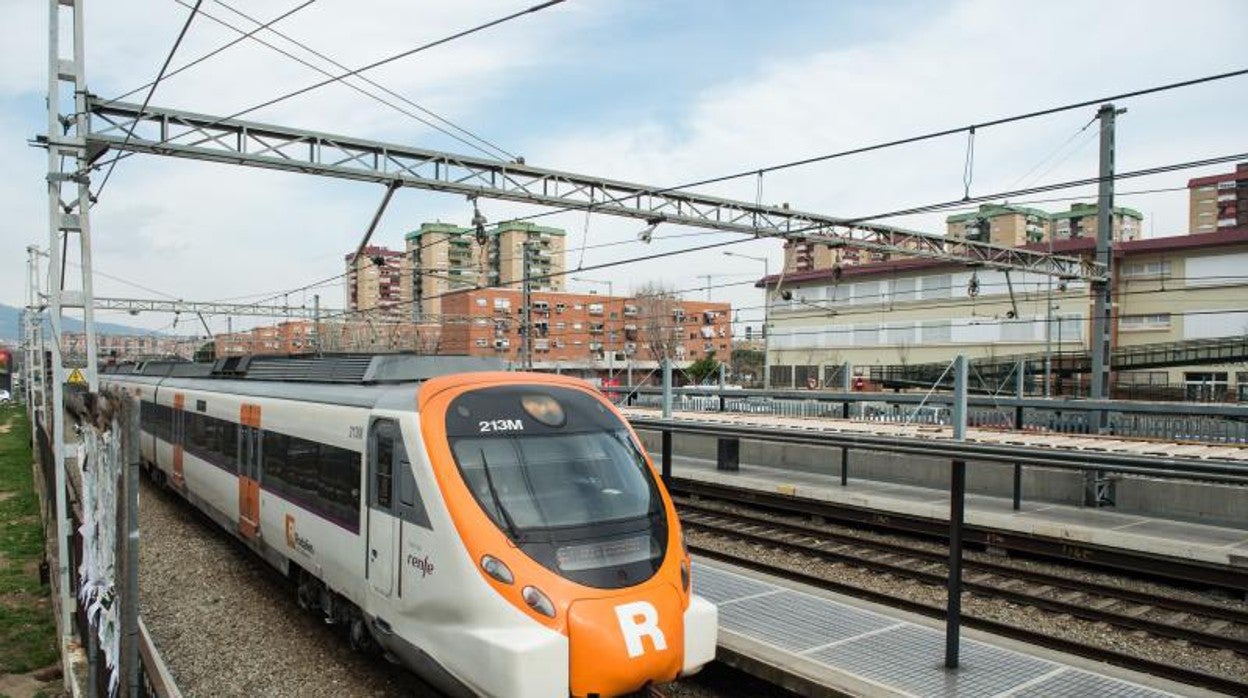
{"x":382,"y":461}
{"x":411,"y":507}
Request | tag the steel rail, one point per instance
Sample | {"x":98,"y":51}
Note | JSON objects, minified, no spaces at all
{"x":1066,"y":550}
{"x":1024,"y":598}
{"x":1122,"y":659}
{"x":1130,"y":595}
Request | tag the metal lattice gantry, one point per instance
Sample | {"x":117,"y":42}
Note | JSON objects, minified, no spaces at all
{"x":183,"y":134}
{"x":147,"y":305}
{"x":69,"y":203}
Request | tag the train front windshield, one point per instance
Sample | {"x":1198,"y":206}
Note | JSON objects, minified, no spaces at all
{"x":559,"y":473}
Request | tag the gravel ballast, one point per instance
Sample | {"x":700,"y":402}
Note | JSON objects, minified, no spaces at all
{"x":228,"y":625}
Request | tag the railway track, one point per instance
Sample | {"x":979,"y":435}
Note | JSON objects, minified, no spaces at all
{"x":1199,"y":623}
{"x":1186,"y":573}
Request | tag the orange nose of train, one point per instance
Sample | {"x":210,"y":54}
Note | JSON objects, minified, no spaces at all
{"x":621,"y":643}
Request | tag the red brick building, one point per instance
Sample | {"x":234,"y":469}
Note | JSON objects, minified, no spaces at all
{"x":585,"y":331}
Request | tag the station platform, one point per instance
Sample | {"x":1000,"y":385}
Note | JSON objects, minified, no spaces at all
{"x":836,"y":645}
{"x":1101,"y":527}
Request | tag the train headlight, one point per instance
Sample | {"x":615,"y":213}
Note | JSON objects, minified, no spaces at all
{"x":497,"y":569}
{"x":538,"y":601}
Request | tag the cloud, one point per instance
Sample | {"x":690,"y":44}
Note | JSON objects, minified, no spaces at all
{"x":209,"y":231}
{"x":972,"y":62}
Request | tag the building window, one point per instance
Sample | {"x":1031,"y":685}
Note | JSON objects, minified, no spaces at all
{"x":937,"y":287}
{"x":1138,"y":269}
{"x":1205,"y":386}
{"x":1144,"y":378}
{"x":904,"y":290}
{"x":1156,"y":321}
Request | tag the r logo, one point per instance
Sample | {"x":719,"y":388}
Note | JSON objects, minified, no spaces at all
{"x":637,"y":620}
{"x":290,"y":530}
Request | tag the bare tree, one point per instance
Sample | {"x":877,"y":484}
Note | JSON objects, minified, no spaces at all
{"x":903,"y":352}
{"x":661,"y":323}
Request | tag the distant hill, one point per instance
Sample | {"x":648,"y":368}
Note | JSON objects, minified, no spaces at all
{"x":11,"y":325}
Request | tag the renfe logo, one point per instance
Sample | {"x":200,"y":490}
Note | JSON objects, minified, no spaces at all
{"x":637,"y":620}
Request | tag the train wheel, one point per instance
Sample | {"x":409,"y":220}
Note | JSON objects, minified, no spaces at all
{"x":361,"y":637}
{"x":309,"y":591}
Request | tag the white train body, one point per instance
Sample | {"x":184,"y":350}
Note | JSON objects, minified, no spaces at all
{"x":300,"y":473}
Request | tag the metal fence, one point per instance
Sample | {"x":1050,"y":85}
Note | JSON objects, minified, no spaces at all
{"x":154,"y":678}
{"x":1194,"y":422}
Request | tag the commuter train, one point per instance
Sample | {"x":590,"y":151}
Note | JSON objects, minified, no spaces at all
{"x":499,"y":533}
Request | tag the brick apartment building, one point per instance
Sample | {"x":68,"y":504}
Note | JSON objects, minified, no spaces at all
{"x":379,"y":281}
{"x":1218,"y":202}
{"x":445,"y":258}
{"x":585,"y":331}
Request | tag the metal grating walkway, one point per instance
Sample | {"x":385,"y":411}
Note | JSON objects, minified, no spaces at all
{"x":897,"y":656}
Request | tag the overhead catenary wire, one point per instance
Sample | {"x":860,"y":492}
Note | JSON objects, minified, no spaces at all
{"x":1070,"y":184}
{"x":220,"y":49}
{"x":759,"y":171}
{"x":322,"y":71}
{"x":507,"y":155}
{"x":1052,"y":159}
{"x":351,"y":73}
{"x":151,"y":91}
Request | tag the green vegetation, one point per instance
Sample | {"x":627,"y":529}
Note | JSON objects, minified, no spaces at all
{"x":704,"y":369}
{"x":27,"y":626}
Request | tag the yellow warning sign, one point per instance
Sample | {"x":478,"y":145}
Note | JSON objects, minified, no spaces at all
{"x":76,"y":378}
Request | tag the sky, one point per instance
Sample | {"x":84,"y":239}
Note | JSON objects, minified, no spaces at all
{"x":661,"y":93}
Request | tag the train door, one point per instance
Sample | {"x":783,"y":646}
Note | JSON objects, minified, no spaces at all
{"x":383,"y":456}
{"x":249,"y":471}
{"x":179,"y":431}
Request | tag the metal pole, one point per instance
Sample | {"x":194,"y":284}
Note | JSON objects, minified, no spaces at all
{"x":610,"y":331}
{"x":526,"y":313}
{"x":1048,"y":328}
{"x":667,"y":388}
{"x":1102,"y":291}
{"x":957,"y":511}
{"x":1100,"y":343}
{"x":766,"y":326}
{"x":667,"y":414}
{"x":130,"y":602}
{"x":1020,"y":387}
{"x":723,"y":383}
{"x":58,"y":221}
{"x":846,"y":385}
{"x":316,"y":322}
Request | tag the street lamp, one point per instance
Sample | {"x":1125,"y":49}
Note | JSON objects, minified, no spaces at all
{"x":610,"y":294}
{"x":766,"y":315}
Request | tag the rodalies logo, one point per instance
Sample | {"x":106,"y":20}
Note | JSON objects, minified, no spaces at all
{"x":296,"y":541}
